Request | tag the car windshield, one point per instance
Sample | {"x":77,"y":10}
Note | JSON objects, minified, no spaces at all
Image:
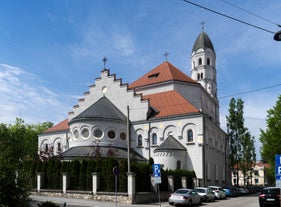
{"x":181,"y":191}
{"x":200,"y":190}
{"x":271,"y":191}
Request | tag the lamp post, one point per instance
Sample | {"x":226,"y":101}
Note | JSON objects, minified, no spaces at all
{"x":277,"y":36}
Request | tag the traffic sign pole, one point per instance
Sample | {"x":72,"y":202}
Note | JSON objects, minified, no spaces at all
{"x":156,"y":168}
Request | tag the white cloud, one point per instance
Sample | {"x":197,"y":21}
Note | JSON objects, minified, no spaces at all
{"x":23,"y":96}
{"x":123,"y":43}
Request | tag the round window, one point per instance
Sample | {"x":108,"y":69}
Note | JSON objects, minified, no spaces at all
{"x":85,"y":132}
{"x":76,"y":133}
{"x":98,"y":133}
{"x":122,"y":135}
{"x":111,"y":134}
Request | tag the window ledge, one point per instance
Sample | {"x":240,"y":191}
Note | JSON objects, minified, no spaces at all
{"x":190,"y":143}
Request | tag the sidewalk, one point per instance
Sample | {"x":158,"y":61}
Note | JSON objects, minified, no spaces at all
{"x":72,"y":202}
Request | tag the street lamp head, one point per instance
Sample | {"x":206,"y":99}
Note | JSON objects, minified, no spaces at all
{"x":277,"y":36}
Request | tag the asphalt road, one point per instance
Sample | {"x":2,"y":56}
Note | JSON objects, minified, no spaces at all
{"x":243,"y":201}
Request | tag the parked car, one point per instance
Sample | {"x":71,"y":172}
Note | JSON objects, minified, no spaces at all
{"x":231,"y":191}
{"x":269,"y":196}
{"x":219,"y":192}
{"x":185,"y":196}
{"x":206,"y":193}
{"x":243,"y":190}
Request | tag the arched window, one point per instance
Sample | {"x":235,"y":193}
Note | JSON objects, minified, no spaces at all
{"x":154,"y":139}
{"x":139,"y":140}
{"x":178,"y":165}
{"x":208,"y":61}
{"x":198,"y":76}
{"x":199,"y":61}
{"x":46,"y":148}
{"x":59,"y":148}
{"x":189,"y":135}
{"x":201,"y":75}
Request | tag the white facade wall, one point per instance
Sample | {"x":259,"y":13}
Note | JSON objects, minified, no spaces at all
{"x":53,"y":141}
{"x":117,"y":93}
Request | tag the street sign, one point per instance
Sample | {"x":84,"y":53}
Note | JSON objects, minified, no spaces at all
{"x":278,"y":169}
{"x":157,"y":180}
{"x":116,"y":170}
{"x":156,"y":168}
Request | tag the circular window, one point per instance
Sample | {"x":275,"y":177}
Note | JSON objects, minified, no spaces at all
{"x":111,"y":134}
{"x":98,"y":133}
{"x":122,"y":135}
{"x":76,"y":133}
{"x":104,"y":89}
{"x":85,"y":132}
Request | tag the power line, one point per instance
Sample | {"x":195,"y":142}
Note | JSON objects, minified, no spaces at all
{"x":251,"y":91}
{"x":249,"y":12}
{"x":235,"y":19}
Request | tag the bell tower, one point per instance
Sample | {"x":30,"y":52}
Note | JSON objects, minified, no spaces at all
{"x":203,"y":63}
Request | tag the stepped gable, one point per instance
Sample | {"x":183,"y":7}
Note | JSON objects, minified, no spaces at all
{"x":103,"y":109}
{"x":170,"y":144}
{"x":162,"y":73}
{"x":170,"y":103}
{"x":61,"y":126}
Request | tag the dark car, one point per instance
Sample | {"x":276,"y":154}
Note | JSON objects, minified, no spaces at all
{"x":231,"y":191}
{"x":269,"y":196}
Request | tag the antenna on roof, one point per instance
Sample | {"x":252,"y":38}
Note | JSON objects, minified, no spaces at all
{"x":166,"y":55}
{"x":104,"y":62}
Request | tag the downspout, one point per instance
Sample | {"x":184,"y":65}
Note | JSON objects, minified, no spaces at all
{"x":203,"y":152}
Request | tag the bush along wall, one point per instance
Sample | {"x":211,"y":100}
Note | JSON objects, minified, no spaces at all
{"x":80,"y":172}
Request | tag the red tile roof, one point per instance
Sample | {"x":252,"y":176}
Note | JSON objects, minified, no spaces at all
{"x":170,"y":103}
{"x":162,"y":73}
{"x":59,"y":127}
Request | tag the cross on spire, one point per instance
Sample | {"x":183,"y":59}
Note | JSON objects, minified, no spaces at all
{"x":202,"y":25}
{"x":166,"y":55}
{"x":104,"y":62}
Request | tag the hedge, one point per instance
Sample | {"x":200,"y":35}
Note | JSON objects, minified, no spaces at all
{"x":80,"y":171}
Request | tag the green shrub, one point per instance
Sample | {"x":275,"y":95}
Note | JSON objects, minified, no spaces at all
{"x":48,"y":204}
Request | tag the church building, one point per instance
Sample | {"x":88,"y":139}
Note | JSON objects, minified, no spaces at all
{"x":164,"y":114}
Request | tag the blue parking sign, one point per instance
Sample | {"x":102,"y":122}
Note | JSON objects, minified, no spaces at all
{"x":156,"y":168}
{"x":278,"y":167}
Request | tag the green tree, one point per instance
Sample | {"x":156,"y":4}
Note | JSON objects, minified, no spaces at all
{"x":248,"y":157}
{"x":271,"y":137}
{"x":18,"y":143}
{"x":241,"y":143}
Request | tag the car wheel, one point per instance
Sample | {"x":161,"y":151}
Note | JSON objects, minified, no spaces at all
{"x":189,"y":203}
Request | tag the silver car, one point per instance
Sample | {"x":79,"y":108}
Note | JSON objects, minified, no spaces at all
{"x":185,"y":196}
{"x":206,"y":193}
{"x":219,"y":192}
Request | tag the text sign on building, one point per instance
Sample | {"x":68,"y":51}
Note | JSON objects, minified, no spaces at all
{"x":277,"y":167}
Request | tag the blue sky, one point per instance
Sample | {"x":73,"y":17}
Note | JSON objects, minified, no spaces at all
{"x":51,"y":51}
